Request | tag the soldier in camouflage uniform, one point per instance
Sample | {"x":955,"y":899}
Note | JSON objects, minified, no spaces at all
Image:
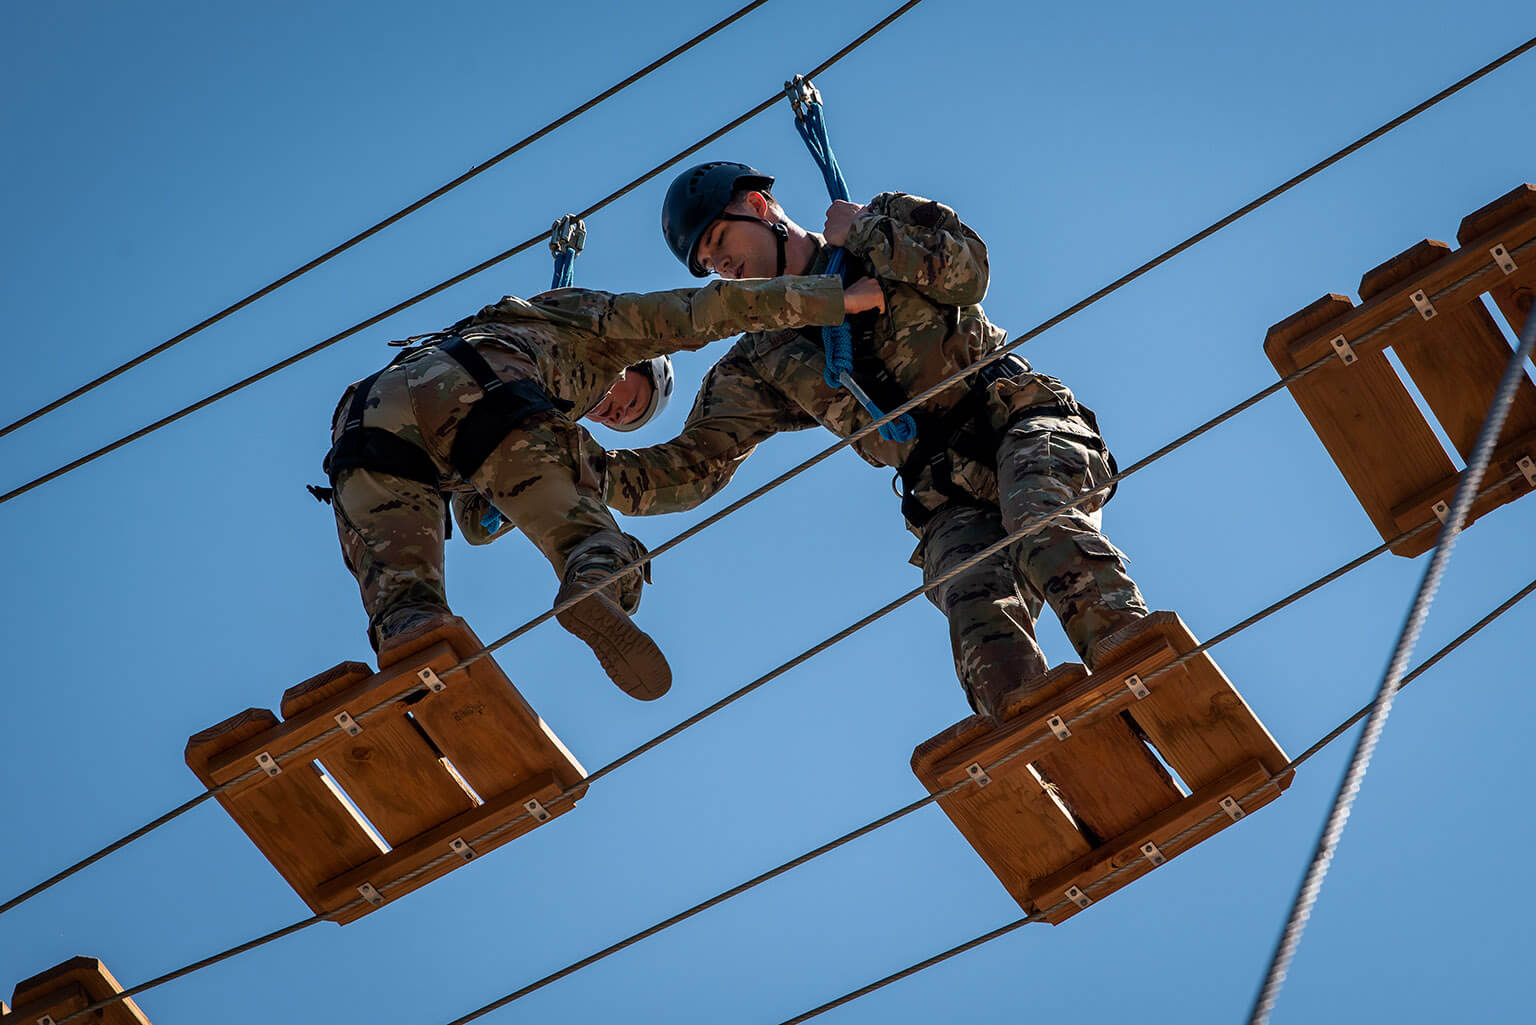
{"x":479,"y":416}
{"x":1007,"y":446}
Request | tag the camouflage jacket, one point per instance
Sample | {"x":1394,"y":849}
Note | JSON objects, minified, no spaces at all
{"x":933,"y":270}
{"x":577,"y":340}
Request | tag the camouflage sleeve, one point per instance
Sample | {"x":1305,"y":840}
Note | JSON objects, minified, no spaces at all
{"x":924,"y":244}
{"x":640,"y":325}
{"x":735,"y":410}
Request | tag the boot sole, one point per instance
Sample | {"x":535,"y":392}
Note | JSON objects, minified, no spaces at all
{"x":627,"y":654}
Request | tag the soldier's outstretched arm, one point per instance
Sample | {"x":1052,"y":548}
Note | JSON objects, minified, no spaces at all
{"x":640,"y":325}
{"x":734,"y":412}
{"x":921,"y":243}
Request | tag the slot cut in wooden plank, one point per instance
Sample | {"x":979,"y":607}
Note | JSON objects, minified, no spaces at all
{"x":292,"y":818}
{"x":480,"y":721}
{"x":67,"y":989}
{"x":1193,"y":717}
{"x":1514,"y":294}
{"x":389,"y":769}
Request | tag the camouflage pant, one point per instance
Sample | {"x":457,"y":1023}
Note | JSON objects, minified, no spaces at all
{"x":540,"y":478}
{"x":992,"y":606}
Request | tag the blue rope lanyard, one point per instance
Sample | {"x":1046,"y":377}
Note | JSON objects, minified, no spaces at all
{"x":811,"y":123}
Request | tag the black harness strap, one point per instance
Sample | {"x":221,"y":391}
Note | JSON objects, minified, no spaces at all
{"x":965,"y":431}
{"x":374,"y":448}
{"x":502,"y":408}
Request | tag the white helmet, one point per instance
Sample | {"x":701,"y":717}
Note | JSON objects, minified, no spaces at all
{"x":659,"y":371}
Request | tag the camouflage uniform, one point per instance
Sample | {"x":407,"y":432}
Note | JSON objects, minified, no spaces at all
{"x":541,"y":477}
{"x":934,"y":273}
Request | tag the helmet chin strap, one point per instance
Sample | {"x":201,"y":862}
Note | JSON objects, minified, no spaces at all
{"x":780,"y":236}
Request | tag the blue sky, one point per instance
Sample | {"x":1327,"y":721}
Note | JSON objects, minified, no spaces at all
{"x":159,"y":166}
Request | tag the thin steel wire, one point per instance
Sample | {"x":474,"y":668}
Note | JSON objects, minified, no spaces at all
{"x":1089,"y":714}
{"x":398,"y":215}
{"x":1365,"y":747}
{"x":405,"y":304}
{"x":1173,"y":845}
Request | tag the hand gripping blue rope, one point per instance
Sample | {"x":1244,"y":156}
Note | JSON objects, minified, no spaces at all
{"x":811,"y":123}
{"x":567,"y":236}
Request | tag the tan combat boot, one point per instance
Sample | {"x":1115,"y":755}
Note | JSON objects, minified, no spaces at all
{"x":627,"y":654}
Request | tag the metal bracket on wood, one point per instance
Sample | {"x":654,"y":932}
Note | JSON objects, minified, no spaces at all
{"x":1422,"y":304}
{"x":370,"y":894}
{"x":1232,"y":808}
{"x":429,"y":677}
{"x":268,"y":764}
{"x":1441,"y":510}
{"x":536,"y":809}
{"x":978,"y":774}
{"x":1527,"y":466}
{"x":1503,"y":259}
{"x":1136,"y":687}
{"x":1151,"y":853}
{"x":346,"y":722}
{"x":1343,"y":350}
{"x":1076,"y":895}
{"x":1058,"y":727}
{"x":46,"y":1019}
{"x":462,"y":849}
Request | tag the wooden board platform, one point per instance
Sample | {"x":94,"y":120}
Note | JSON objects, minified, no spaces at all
{"x":427,"y":773}
{"x":1075,"y":812}
{"x":1362,"y":411}
{"x":67,"y":989}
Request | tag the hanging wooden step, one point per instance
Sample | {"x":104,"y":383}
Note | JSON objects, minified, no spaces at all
{"x":1454,"y":353}
{"x":408,"y":793}
{"x":66,"y":989}
{"x":1090,"y":808}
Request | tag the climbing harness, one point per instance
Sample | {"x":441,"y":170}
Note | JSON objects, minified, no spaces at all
{"x":811,"y":123}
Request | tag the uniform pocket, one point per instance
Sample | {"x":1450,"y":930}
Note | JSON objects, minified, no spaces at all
{"x":1097,"y":546}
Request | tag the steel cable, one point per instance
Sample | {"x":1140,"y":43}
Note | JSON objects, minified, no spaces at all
{"x":1087,"y":715}
{"x":1173,"y":844}
{"x":1360,"y":760}
{"x":421,"y":296}
{"x":398,"y":215}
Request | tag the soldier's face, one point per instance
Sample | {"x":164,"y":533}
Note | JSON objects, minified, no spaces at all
{"x":629,"y":397}
{"x":740,"y":249}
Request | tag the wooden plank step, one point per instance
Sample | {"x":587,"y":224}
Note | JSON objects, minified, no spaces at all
{"x":320,"y":718}
{"x":1514,"y":231}
{"x":1485,"y":228}
{"x":1111,"y":781}
{"x":1192,"y":715}
{"x":480,"y":721}
{"x":1456,"y":358}
{"x":67,"y":989}
{"x":292,"y":818}
{"x":1364,"y":417}
{"x":1123,"y":858}
{"x":389,"y":769}
{"x":387,"y":874}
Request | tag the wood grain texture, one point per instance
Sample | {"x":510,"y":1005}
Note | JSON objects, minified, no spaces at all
{"x":1124,"y":851}
{"x":1196,"y":719}
{"x":1515,"y":294}
{"x":480,"y":721}
{"x":68,"y":988}
{"x":292,"y":818}
{"x":1108,"y":778}
{"x":389,"y":769}
{"x":385,"y":872}
{"x":384,"y":686}
{"x":1364,"y":417}
{"x":1304,"y":347}
{"x":1456,"y":358}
